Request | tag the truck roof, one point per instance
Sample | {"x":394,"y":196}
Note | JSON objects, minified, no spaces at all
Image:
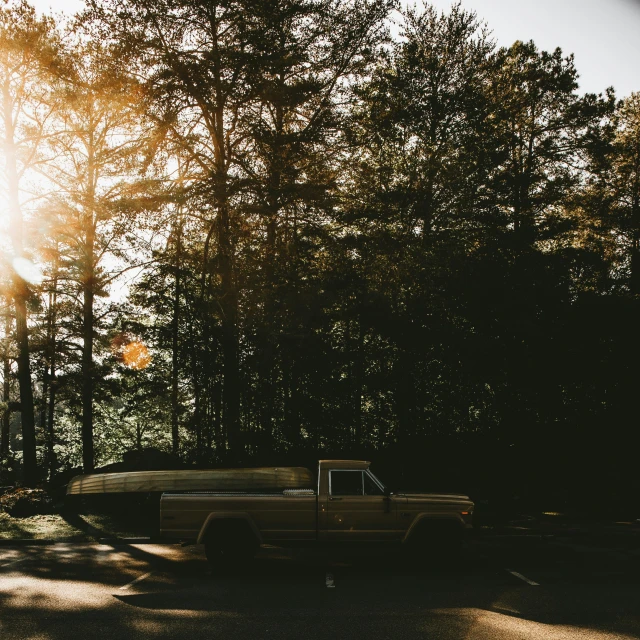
{"x":344,"y":464}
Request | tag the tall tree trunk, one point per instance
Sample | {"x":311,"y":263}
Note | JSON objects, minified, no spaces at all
{"x":274,"y":179}
{"x":358,"y":375}
{"x":228,"y":294}
{"x":51,"y":347}
{"x":226,"y":268}
{"x":88,"y":292}
{"x":210,"y":418}
{"x":42,"y":421}
{"x":405,"y":390}
{"x":46,"y":378}
{"x":193,"y":359}
{"x":87,"y":379}
{"x":26,"y":391}
{"x":175,"y":326}
{"x":219,"y":437}
{"x":20,"y":295}
{"x":635,"y":221}
{"x":6,"y":387}
{"x":230,"y":364}
{"x":50,"y":418}
{"x":635,"y":264}
{"x":266,"y":397}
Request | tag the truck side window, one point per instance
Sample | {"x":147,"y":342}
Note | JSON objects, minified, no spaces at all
{"x":346,"y":483}
{"x":370,"y":487}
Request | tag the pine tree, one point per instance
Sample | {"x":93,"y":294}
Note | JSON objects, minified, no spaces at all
{"x":28,"y":61}
{"x":98,"y":192}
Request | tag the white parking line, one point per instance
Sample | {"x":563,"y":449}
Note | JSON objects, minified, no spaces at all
{"x":519,"y":575}
{"x":8,"y":564}
{"x":329,"y":581}
{"x":138,"y":579}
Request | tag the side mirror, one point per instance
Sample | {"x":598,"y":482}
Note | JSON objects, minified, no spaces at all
{"x":387,"y":492}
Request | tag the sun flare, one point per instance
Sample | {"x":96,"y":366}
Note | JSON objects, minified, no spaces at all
{"x":136,"y":356}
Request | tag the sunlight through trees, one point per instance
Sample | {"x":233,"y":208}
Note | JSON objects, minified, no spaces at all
{"x":245,"y":230}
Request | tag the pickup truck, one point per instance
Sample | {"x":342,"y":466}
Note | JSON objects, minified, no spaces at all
{"x":344,"y":504}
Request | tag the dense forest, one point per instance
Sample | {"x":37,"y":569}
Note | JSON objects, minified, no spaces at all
{"x":271,"y":231}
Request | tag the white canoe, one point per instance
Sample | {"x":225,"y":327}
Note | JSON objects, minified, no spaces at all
{"x":251,"y":480}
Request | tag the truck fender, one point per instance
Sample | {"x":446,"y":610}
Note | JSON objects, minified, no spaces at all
{"x":427,"y":518}
{"x":229,"y":515}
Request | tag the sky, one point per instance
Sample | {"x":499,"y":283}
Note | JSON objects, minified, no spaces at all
{"x":604,"y":35}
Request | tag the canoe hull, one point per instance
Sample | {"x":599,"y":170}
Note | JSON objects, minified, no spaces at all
{"x":267,"y":479}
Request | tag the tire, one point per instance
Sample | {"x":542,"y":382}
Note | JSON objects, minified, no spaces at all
{"x":437,"y":544}
{"x":230,"y":545}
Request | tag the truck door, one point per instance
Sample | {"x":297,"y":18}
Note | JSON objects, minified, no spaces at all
{"x":357,"y":508}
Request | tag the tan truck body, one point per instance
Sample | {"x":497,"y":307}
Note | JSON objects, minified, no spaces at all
{"x":332,"y":512}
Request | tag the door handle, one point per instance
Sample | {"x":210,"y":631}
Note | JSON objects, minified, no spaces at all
{"x":334,"y":498}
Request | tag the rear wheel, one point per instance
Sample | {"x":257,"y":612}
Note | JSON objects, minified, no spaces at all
{"x":229,"y":545}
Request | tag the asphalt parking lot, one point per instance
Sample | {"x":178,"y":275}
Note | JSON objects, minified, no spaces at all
{"x":501,"y":588}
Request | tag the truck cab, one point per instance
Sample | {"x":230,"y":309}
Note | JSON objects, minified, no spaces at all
{"x":354,"y":505}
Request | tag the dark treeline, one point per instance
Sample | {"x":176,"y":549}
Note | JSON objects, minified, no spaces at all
{"x":256,"y":232}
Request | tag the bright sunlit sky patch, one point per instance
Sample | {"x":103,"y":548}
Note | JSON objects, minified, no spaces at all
{"x":54,"y":6}
{"x":604,"y":35}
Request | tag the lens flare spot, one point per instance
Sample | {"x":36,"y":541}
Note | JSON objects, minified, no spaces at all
{"x":135,"y":355}
{"x":27,"y":271}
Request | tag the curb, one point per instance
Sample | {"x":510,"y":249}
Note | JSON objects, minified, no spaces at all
{"x":133,"y":541}
{"x":7,"y":542}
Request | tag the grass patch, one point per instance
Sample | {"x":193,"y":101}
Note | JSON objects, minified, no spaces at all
{"x":81,"y":527}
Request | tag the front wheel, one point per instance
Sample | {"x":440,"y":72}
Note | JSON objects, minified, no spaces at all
{"x":436,"y":545}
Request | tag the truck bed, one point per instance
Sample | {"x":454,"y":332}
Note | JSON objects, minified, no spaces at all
{"x":289,"y":516}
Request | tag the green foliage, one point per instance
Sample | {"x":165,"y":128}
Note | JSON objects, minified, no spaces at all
{"x":22,"y":503}
{"x":344,"y":244}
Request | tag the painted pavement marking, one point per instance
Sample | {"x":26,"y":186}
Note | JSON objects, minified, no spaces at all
{"x":8,"y":564}
{"x":519,"y":575}
{"x":138,"y":579}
